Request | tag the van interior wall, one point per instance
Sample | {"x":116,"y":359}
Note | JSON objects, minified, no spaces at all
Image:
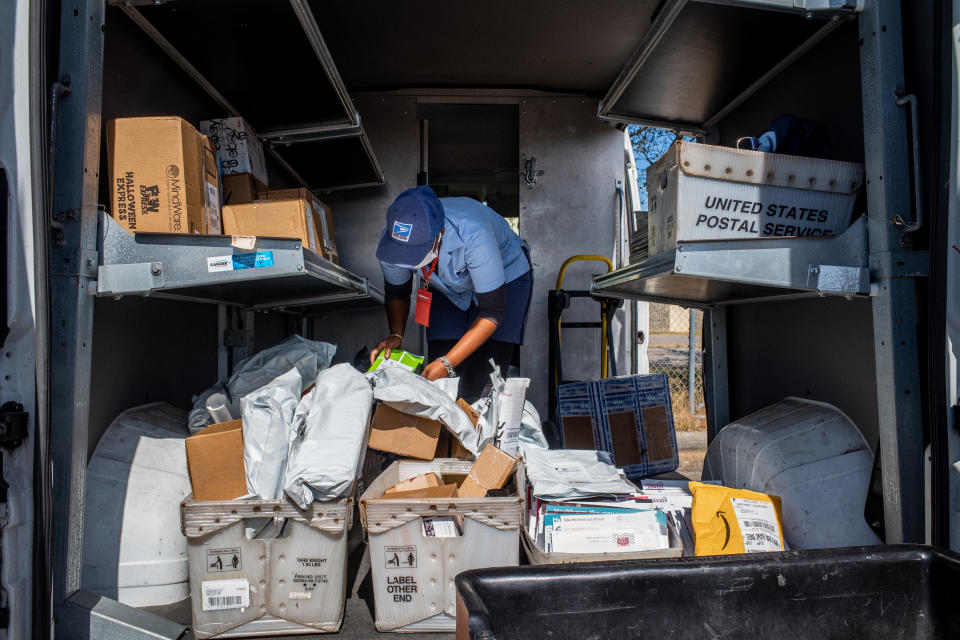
{"x":148,"y":350}
{"x":820,"y":348}
{"x":358,"y":219}
{"x":571,"y":209}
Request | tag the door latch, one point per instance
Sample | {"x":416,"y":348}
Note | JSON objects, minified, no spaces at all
{"x":13,"y":424}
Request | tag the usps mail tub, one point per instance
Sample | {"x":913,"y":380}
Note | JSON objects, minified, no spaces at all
{"x":705,"y":192}
{"x":293,"y":584}
{"x":413,"y":573}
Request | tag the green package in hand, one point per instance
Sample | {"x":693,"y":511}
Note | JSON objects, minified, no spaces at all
{"x":398,"y":358}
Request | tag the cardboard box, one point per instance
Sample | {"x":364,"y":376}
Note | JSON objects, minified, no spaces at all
{"x":629,"y":417}
{"x":491,"y":471}
{"x":404,"y":434}
{"x":705,"y":192}
{"x":163,"y":176}
{"x":238,"y":148}
{"x":443,"y":491}
{"x":215,"y":462}
{"x":323,"y":218}
{"x":419,"y":482}
{"x":240,"y":188}
{"x":457,"y":450}
{"x":272,"y":219}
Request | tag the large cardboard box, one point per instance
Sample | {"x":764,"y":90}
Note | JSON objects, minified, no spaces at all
{"x":629,"y":417}
{"x":163,"y":176}
{"x":272,"y":218}
{"x":705,"y":192}
{"x":323,"y":218}
{"x":404,"y":434}
{"x":240,"y":188}
{"x":215,"y":462}
{"x":238,"y":148}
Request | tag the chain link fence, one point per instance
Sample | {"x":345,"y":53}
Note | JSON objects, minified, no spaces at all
{"x":668,"y":352}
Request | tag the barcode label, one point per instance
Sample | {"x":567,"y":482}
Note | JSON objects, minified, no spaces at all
{"x":225,"y":594}
{"x":759,"y":524}
{"x":759,"y":527}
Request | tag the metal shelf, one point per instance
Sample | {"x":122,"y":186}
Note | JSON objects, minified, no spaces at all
{"x":706,"y":274}
{"x":308,"y":124}
{"x":695,"y":92}
{"x":209,"y":269}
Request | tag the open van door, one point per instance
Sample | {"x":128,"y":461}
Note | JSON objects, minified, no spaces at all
{"x":23,"y":306}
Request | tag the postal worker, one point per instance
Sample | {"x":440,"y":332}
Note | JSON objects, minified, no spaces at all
{"x":476,"y":284}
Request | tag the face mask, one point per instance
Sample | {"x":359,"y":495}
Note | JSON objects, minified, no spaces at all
{"x":433,"y":253}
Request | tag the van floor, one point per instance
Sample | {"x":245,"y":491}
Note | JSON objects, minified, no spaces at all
{"x":358,"y":613}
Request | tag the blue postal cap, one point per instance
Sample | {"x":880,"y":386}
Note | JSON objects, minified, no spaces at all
{"x":414,"y":220}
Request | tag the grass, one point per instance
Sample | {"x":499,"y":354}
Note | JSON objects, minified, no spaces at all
{"x":682,"y":419}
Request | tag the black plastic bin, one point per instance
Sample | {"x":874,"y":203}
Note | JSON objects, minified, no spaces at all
{"x":897,"y":591}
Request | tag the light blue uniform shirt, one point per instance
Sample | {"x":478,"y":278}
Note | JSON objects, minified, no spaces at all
{"x":479,"y":253}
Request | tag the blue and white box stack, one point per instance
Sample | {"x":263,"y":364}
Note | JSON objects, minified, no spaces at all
{"x":630,"y":417}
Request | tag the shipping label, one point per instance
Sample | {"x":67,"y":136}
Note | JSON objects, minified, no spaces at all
{"x":238,"y":261}
{"x":213,"y":208}
{"x":758,"y":525}
{"x":440,"y":527}
{"x":225,"y":594}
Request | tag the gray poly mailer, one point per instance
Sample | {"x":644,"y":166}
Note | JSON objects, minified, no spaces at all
{"x":307,"y":356}
{"x":328,"y":437}
{"x":573,"y":473}
{"x":267,"y":416}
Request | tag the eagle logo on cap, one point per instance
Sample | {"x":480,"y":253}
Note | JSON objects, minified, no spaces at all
{"x":401,"y":232}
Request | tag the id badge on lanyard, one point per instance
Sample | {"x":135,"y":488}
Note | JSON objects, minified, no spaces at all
{"x":422,"y":313}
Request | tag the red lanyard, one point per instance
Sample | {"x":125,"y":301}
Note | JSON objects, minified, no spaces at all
{"x":428,"y":274}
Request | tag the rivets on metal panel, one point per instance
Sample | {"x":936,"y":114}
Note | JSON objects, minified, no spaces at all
{"x":155,"y":269}
{"x":812,"y":181}
{"x":728,"y":170}
{"x":276,"y":508}
{"x":832,"y":183}
{"x":256,"y":508}
{"x":770,"y":175}
{"x":433,"y":507}
{"x":749,"y":172}
{"x":791,"y":178}
{"x":706,"y":167}
{"x":233,"y":512}
{"x":299,"y":267}
{"x":452,"y":507}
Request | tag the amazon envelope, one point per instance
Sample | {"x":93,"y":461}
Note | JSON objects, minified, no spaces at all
{"x":729,"y":521}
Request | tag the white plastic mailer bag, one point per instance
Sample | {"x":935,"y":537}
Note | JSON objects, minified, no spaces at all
{"x":573,"y":473}
{"x":307,"y":356}
{"x":267,"y":418}
{"x":413,"y":394}
{"x":531,"y":429}
{"x":329,"y":437}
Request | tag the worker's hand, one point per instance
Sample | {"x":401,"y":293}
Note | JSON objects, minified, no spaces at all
{"x":434,"y":371}
{"x":386,"y":345}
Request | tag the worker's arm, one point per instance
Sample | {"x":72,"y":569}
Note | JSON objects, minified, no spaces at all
{"x":475,"y":336}
{"x":397,"y":305}
{"x":491,"y":307}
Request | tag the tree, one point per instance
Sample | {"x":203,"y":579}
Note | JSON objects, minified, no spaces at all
{"x":649,"y":144}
